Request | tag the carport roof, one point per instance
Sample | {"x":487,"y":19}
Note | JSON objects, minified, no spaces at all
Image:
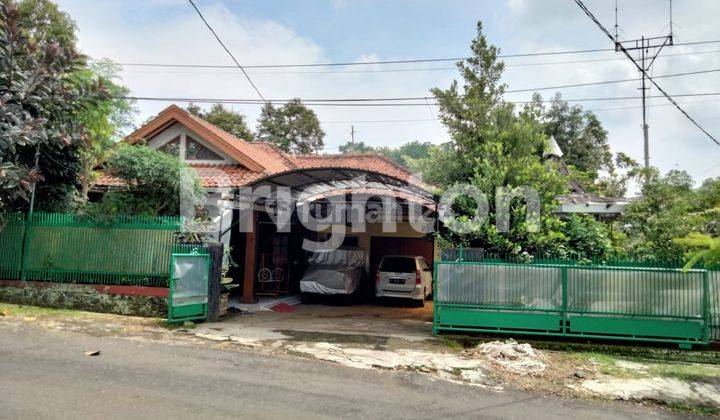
{"x":312,"y":184}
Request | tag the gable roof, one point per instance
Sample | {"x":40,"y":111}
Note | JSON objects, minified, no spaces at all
{"x":253,"y":158}
{"x":256,"y":160}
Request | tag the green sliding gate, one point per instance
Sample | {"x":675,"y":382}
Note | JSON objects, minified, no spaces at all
{"x":610,"y":302}
{"x":188,"y":294}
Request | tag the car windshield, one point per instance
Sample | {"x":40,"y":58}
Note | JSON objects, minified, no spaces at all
{"x":398,"y":265}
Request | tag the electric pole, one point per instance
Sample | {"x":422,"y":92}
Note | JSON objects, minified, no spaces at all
{"x":352,"y":135}
{"x":645,"y":45}
{"x":649,"y":49}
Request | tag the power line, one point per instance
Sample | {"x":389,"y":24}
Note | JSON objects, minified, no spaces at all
{"x":533,"y":89}
{"x":317,"y":101}
{"x":379,"y":121}
{"x":708,"y":170}
{"x":385,"y":62}
{"x":247,"y":76}
{"x":402,"y":70}
{"x":643,"y":70}
{"x":606,"y":82}
{"x":380,"y":102}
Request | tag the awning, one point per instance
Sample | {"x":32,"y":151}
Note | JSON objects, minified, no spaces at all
{"x":309,"y":185}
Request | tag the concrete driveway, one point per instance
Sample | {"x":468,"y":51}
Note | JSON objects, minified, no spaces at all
{"x":389,"y":321}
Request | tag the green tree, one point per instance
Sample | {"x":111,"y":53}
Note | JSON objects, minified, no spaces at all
{"x":705,"y":249}
{"x":293,"y":127}
{"x":407,"y":153}
{"x":43,"y":20}
{"x":105,"y":121}
{"x":580,"y":135}
{"x":226,"y":119}
{"x":40,"y":105}
{"x":78,"y":96}
{"x":153,"y":183}
{"x":664,"y":212}
{"x":495,"y":146}
{"x":356,"y":147}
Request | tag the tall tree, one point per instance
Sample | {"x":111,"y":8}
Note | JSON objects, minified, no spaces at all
{"x":227,"y":119}
{"x":42,"y":52}
{"x":580,"y":135}
{"x":356,"y":147}
{"x":105,"y":121}
{"x":407,"y":153}
{"x":293,"y":127}
{"x":40,"y":105}
{"x":493,"y":146}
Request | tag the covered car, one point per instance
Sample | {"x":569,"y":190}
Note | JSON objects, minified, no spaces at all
{"x":337,"y":272}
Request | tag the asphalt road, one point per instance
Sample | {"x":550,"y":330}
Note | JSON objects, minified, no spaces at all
{"x":44,"y":374}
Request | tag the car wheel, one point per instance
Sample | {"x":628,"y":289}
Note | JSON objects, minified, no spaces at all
{"x":305,"y":298}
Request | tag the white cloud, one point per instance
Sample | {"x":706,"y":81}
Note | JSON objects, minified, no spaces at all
{"x":169,"y":31}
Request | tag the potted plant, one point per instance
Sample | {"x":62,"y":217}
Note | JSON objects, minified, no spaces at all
{"x":226,"y":282}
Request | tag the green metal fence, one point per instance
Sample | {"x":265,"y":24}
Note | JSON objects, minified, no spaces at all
{"x":68,"y":248}
{"x":567,"y":299}
{"x":12,"y":233}
{"x":714,"y":278}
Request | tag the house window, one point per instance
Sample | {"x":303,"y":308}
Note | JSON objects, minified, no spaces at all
{"x":172,"y":147}
{"x":196,"y":151}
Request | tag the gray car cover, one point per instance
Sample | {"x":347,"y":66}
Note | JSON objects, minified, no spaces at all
{"x":334,"y":272}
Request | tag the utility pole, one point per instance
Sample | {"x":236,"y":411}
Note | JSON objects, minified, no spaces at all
{"x":352,"y":135}
{"x":646,"y":135}
{"x":649,"y":49}
{"x":645,"y":44}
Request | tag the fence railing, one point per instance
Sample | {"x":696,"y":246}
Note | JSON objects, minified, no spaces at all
{"x":556,"y":298}
{"x":68,"y":248}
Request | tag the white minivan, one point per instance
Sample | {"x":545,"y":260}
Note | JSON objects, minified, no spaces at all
{"x":403,"y":276}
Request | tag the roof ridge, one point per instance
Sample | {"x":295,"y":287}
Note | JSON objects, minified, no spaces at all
{"x":362,"y":154}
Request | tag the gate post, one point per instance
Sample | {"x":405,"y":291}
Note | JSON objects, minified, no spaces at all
{"x":563,"y":317}
{"x":706,"y":305}
{"x":215,"y":250}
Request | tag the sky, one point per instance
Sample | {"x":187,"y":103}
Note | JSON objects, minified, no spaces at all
{"x":324,"y":31}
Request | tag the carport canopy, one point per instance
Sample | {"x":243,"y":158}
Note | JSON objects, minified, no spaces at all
{"x":308,"y":185}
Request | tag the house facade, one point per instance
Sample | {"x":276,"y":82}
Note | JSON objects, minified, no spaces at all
{"x":229,"y":167}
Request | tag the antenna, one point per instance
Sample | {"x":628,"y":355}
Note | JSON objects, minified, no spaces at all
{"x":616,"y":21}
{"x":671,"y":24}
{"x":644,"y":45}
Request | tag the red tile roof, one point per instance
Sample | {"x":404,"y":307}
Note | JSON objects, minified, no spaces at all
{"x":361,"y":161}
{"x":211,"y":176}
{"x":256,"y":160}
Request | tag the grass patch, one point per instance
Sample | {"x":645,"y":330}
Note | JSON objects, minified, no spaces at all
{"x":689,"y":372}
{"x":8,"y":309}
{"x":699,"y":410}
{"x":453,"y":344}
{"x":686,"y":372}
{"x":605,"y":363}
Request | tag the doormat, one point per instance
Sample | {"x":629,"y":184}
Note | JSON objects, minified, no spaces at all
{"x":282,"y":307}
